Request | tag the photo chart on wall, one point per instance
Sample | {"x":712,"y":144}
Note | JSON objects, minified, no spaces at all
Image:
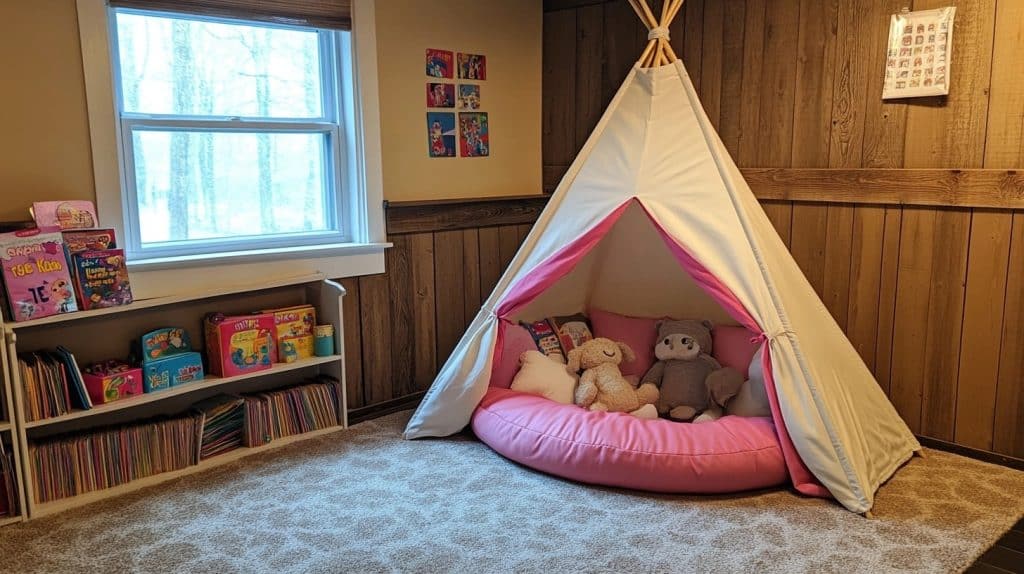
{"x":919,"y":53}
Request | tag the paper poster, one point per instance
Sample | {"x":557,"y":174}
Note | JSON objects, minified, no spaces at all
{"x":472,"y":67}
{"x":439,"y":63}
{"x":440,"y":95}
{"x":919,"y":54}
{"x":441,"y":134}
{"x":469,"y":97}
{"x":474,"y":135}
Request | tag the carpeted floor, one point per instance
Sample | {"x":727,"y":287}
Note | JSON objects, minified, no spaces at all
{"x":365,"y":500}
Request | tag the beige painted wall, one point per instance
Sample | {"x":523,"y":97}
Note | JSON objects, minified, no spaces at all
{"x":44,"y":132}
{"x":508,"y":32}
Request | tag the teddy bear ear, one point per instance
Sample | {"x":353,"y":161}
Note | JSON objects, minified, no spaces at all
{"x":659,"y":323}
{"x":707,"y":324}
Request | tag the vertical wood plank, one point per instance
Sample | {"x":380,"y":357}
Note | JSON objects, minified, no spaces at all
{"x":992,"y":290}
{"x":624,"y":40}
{"x":589,"y":50}
{"x":424,"y":328}
{"x":558,"y":88}
{"x":732,"y":74}
{"x":508,"y":244}
{"x":711,"y":60}
{"x":838,"y":252}
{"x":375,"y":310}
{"x":951,"y":134}
{"x":353,"y":343}
{"x":471,"y":268}
{"x":522,"y":230}
{"x":399,"y":274}
{"x":1008,"y":433}
{"x":887,"y":289}
{"x":984,"y":301}
{"x":910,"y":322}
{"x":449,"y":281}
{"x":748,"y":142}
{"x":778,"y":95}
{"x":809,"y":235}
{"x":884,"y":120}
{"x":862,"y":320}
{"x":490,"y":259}
{"x":693,"y":20}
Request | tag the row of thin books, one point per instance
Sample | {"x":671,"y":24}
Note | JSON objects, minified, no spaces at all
{"x":52,"y":383}
{"x":8,"y":484}
{"x":75,"y":464}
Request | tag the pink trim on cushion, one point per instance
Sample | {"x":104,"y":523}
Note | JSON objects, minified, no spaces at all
{"x":556,"y":266}
{"x":803,"y":480}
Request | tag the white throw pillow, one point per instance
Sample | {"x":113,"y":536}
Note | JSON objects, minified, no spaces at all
{"x":752,"y":400}
{"x":539,"y":375}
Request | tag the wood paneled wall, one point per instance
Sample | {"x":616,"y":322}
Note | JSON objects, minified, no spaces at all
{"x":931,"y":296}
{"x":447,"y":256}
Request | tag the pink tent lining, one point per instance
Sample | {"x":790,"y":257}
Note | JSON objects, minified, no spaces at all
{"x":564,"y":260}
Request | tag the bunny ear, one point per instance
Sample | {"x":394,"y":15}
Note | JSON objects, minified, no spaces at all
{"x":574,"y":360}
{"x":627,"y":352}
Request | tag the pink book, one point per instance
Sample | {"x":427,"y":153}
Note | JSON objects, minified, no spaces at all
{"x":65,"y":214}
{"x":35,"y":273}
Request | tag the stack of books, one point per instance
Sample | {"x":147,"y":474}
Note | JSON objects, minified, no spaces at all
{"x":8,"y":484}
{"x":76,"y":464}
{"x":222,"y":419}
{"x":52,"y":384}
{"x":291,"y":411}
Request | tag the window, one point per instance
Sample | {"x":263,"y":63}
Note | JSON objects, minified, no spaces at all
{"x":234,"y":135}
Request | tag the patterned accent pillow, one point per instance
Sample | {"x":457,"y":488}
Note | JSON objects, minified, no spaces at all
{"x":556,"y":336}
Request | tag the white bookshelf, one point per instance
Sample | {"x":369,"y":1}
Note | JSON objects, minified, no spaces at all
{"x":98,"y":334}
{"x":8,"y":433}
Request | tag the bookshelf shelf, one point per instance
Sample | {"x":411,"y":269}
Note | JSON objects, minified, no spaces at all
{"x":160,"y":302}
{"x":208,"y":382}
{"x":5,"y":520}
{"x":96,"y":339}
{"x":63,"y":504}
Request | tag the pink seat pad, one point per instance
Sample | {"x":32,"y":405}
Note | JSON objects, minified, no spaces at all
{"x":614,"y":449}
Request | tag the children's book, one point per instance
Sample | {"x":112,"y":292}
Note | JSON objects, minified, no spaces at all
{"x":101,"y":278}
{"x":81,"y":240}
{"x":64,"y":215}
{"x":35,"y":274}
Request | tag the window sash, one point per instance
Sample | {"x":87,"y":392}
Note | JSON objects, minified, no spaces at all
{"x":336,"y":195}
{"x":333,"y":14}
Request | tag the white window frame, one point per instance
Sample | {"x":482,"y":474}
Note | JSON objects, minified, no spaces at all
{"x":358,"y":252}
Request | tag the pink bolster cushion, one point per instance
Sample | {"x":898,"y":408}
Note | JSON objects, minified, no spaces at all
{"x":614,"y":449}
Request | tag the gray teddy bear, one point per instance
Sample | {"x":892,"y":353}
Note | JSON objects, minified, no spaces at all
{"x":694,"y":386}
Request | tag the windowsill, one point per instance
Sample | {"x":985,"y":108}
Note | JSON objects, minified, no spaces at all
{"x":256,"y":255}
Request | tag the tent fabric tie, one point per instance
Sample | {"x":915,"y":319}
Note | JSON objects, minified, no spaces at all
{"x":657,"y":33}
{"x":762,"y":337}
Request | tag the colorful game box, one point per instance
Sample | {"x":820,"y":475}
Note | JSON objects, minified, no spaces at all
{"x":168,"y":359}
{"x":293,"y":332}
{"x":65,"y":215}
{"x":35,"y":274}
{"x":80,"y":240}
{"x":101,"y":278}
{"x":239,"y":345}
{"x":112,"y":380}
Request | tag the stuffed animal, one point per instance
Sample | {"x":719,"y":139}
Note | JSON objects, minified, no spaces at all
{"x":602,"y":386}
{"x":694,"y":386}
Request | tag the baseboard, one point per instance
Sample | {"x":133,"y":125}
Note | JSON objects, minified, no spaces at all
{"x":982,"y":455}
{"x":377,"y":410}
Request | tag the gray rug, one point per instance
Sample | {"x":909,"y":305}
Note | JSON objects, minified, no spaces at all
{"x":365,"y":500}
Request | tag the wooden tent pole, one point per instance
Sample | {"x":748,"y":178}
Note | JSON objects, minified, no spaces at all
{"x":676,"y":6}
{"x":643,"y":18}
{"x":653,"y":22}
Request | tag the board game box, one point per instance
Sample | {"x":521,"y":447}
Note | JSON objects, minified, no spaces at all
{"x":101,"y":278}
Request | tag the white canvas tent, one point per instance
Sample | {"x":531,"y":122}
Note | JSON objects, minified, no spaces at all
{"x":654,"y":219}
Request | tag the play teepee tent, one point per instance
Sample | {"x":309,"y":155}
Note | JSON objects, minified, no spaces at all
{"x":654,"y":219}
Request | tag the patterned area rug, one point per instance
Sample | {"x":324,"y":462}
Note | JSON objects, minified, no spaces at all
{"x":365,"y":500}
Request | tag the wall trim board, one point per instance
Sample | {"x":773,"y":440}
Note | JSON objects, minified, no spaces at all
{"x":378,"y":410}
{"x":982,"y":455}
{"x":985,"y":188}
{"x":452,"y":214}
{"x":555,"y":5}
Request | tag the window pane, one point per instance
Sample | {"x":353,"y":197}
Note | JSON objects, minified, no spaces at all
{"x":209,"y":185}
{"x":180,"y":66}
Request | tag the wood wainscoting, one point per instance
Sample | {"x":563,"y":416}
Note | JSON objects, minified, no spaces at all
{"x":937,"y":316}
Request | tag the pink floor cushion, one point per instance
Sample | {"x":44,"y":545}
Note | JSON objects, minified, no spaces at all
{"x":614,"y":449}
